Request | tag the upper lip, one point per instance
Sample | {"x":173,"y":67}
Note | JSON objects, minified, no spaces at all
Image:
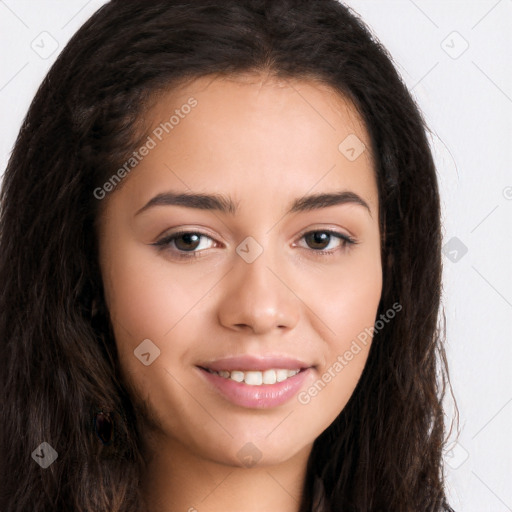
{"x":255,"y":363}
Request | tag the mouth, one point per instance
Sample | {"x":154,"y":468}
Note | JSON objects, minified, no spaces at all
{"x":259,"y":383}
{"x":257,"y":377}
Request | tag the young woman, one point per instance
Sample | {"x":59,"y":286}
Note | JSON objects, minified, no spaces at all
{"x":221,"y":270}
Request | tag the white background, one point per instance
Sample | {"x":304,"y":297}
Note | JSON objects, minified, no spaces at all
{"x":466,"y":97}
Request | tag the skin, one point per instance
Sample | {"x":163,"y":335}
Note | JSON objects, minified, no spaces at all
{"x":263,"y":143}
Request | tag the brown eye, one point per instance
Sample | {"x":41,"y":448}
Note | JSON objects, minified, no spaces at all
{"x":319,"y":241}
{"x":187,"y":241}
{"x":185,"y":244}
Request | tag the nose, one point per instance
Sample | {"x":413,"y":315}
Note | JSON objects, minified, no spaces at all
{"x":258,"y":298}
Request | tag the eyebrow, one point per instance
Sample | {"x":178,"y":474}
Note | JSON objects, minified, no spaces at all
{"x":226,"y":205}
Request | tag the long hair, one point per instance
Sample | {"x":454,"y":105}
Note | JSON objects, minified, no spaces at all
{"x":60,"y":366}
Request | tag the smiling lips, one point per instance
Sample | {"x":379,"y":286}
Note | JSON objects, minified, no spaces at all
{"x":256,"y":382}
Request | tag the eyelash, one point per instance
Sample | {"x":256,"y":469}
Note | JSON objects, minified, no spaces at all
{"x":164,"y":242}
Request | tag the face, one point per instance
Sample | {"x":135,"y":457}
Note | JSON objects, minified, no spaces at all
{"x":258,"y":273}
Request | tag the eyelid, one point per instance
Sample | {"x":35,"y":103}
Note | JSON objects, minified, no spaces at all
{"x":166,"y":233}
{"x":162,"y":240}
{"x":327,"y":229}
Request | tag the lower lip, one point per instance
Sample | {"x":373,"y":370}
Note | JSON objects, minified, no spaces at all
{"x":257,"y":397}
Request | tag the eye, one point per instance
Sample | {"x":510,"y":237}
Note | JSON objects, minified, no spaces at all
{"x":188,"y":244}
{"x":184,"y":244}
{"x":327,"y":242}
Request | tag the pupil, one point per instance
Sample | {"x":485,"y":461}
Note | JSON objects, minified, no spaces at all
{"x":188,"y":238}
{"x":320,"y":238}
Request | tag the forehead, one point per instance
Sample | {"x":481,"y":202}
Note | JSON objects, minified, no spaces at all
{"x":282,"y":137}
{"x":253,"y":96}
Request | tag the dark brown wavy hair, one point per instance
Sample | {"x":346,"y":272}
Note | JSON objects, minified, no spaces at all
{"x":60,"y":366}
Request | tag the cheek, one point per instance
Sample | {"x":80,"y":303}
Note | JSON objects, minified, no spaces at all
{"x":151,"y":299}
{"x":147,"y":296}
{"x":346,"y":302}
{"x":346,"y":295}
{"x":148,"y":300}
{"x":353,"y":304}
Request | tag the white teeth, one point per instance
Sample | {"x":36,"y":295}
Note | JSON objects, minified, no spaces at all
{"x":281,"y":375}
{"x":257,"y":378}
{"x":238,"y":376}
{"x":253,"y":378}
{"x":269,"y":377}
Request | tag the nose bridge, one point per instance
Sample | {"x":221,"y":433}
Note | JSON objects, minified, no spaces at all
{"x":256,"y":297}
